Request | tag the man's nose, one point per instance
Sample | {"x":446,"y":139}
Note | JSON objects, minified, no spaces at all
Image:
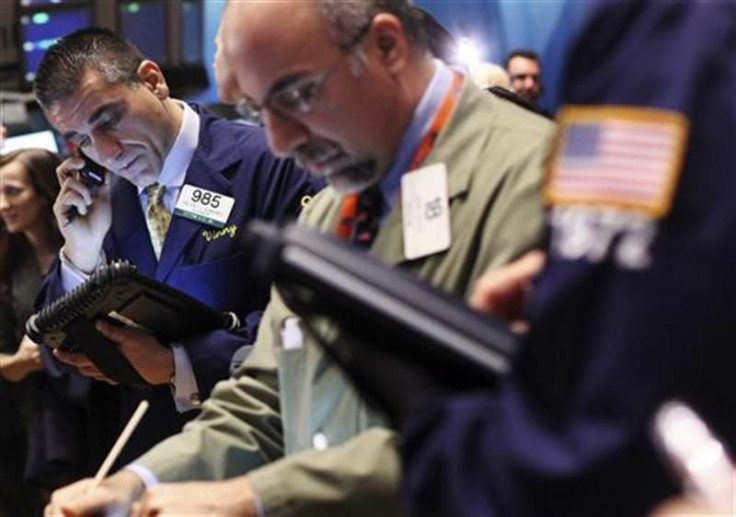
{"x":107,"y":150}
{"x":285,"y":134}
{"x":4,"y":203}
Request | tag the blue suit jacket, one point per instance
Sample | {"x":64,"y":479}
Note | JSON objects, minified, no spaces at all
{"x":568,"y":435}
{"x":231,"y":159}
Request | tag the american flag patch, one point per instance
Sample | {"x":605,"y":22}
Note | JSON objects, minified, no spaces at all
{"x":623,"y":157}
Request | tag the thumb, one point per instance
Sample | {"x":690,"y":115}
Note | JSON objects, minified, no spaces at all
{"x":115,"y":333}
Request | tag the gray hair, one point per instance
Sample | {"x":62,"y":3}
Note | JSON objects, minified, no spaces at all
{"x":349,"y":19}
{"x":63,"y":66}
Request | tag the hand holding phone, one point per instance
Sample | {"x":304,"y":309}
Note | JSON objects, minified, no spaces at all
{"x":91,"y":175}
{"x":83,"y":209}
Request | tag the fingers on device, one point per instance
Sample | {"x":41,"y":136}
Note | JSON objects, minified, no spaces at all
{"x":91,"y":175}
{"x":118,"y":293}
{"x":696,"y":455}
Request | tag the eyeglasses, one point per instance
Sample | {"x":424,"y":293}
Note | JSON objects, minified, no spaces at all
{"x":297,"y":98}
{"x":293,"y":100}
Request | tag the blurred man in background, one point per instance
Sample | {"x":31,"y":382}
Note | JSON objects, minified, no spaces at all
{"x":525,"y":74}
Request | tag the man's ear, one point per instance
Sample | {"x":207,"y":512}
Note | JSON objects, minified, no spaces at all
{"x":152,"y":78}
{"x":388,"y":40}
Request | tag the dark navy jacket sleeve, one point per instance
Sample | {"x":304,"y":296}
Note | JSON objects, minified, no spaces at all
{"x":568,"y":435}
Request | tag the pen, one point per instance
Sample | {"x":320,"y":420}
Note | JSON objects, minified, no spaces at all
{"x":119,"y":444}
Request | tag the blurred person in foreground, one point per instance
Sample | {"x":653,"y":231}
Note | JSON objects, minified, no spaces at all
{"x":350,"y":90}
{"x":635,"y":304}
{"x":29,"y":241}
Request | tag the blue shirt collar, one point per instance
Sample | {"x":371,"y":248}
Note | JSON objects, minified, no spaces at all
{"x":419,"y":125}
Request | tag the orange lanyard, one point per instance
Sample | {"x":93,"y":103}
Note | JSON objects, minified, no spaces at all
{"x":349,"y":207}
{"x":440,"y":118}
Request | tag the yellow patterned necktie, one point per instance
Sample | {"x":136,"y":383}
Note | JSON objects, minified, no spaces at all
{"x":158,"y":217}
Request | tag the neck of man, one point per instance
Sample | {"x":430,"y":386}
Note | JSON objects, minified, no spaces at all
{"x":175,"y":112}
{"x":414,"y":81}
{"x":417,"y":79}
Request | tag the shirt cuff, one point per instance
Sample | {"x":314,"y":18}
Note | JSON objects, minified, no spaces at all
{"x":71,"y":276}
{"x":148,"y":478}
{"x":184,"y":387}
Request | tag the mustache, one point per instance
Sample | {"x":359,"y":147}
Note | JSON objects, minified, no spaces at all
{"x":316,"y":151}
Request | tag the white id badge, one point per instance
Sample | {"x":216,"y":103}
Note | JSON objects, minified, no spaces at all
{"x":204,"y":206}
{"x":426,"y":211}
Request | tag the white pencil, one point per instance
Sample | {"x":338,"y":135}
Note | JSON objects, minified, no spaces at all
{"x":119,"y":444}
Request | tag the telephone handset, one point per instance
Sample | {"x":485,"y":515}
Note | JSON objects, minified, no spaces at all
{"x":92,"y":175}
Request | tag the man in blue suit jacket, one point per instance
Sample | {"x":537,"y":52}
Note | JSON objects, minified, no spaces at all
{"x":120,"y":115}
{"x":635,"y":305}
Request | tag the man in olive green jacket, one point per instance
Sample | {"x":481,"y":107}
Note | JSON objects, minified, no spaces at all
{"x":349,"y":89}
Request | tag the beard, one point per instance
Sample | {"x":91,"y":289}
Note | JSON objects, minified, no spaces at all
{"x":354,"y":177}
{"x":346,"y":174}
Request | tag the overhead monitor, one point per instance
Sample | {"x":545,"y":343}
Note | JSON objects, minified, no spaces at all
{"x":38,"y":140}
{"x":41,"y":28}
{"x":33,"y":4}
{"x":191,"y":37}
{"x":144,"y":23}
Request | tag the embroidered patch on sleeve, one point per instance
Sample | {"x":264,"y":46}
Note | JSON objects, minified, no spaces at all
{"x":627,"y":158}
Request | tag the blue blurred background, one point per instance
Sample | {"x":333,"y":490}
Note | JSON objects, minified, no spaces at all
{"x":496,"y":27}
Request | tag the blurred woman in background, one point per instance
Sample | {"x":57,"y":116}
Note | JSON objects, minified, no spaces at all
{"x":29,"y":242}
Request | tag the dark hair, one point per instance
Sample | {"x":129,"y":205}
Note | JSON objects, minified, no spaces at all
{"x":347,"y":20}
{"x":64,"y":64}
{"x":522,"y":52}
{"x":40,"y":165}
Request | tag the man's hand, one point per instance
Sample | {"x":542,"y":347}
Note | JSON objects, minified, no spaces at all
{"x":83,"y":365}
{"x":113,"y":498}
{"x":25,"y":361}
{"x":152,"y":360}
{"x":231,"y":498}
{"x":83,"y":236}
{"x":503,"y":292}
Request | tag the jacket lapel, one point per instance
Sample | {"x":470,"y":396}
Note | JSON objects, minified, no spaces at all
{"x":205,"y":171}
{"x":129,"y":228}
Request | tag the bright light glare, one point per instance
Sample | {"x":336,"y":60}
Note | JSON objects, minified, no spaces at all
{"x":468,"y":53}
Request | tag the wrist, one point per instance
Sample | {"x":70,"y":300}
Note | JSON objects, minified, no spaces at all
{"x":128,"y":483}
{"x":13,"y":368}
{"x":83,"y":262}
{"x":167,"y":370}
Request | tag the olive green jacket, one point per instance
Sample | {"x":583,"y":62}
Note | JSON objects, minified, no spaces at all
{"x":274,"y":415}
